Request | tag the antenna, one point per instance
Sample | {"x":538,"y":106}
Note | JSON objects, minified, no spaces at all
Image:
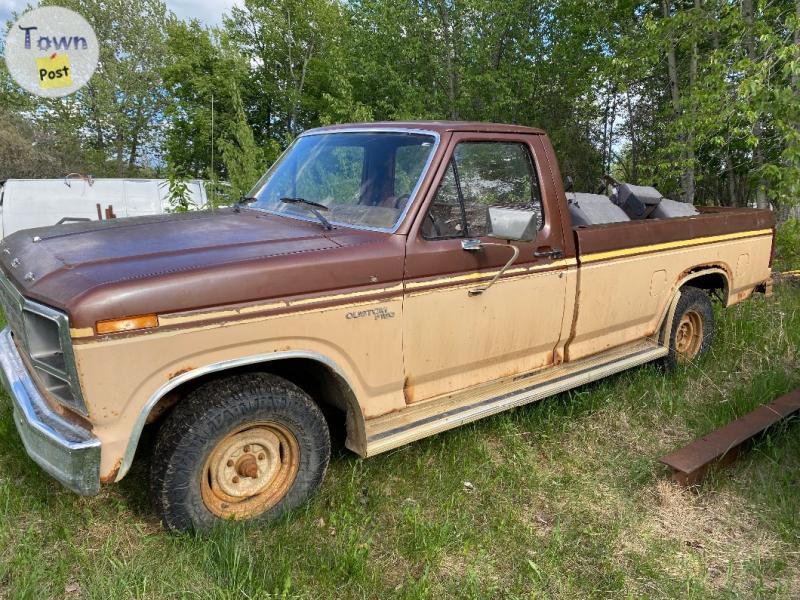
{"x":213,"y":182}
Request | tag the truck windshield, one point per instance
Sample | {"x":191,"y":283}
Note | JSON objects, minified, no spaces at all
{"x":363,"y":179}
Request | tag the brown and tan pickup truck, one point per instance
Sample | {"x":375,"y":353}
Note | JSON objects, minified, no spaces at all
{"x":410,"y":277}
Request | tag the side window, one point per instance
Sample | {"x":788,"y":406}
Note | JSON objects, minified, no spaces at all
{"x":445,"y":218}
{"x":480,"y":175}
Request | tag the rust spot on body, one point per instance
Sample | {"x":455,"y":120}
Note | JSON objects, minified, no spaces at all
{"x":179,"y":372}
{"x":112,"y":475}
{"x":408,"y":390}
{"x":167,"y":402}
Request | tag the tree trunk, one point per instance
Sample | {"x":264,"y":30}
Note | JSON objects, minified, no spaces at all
{"x":293,"y":129}
{"x":689,"y":174}
{"x":120,"y":143}
{"x":687,"y":177}
{"x":450,"y":58}
{"x":98,"y":134}
{"x":133,"y":149}
{"x":634,"y":172}
{"x":672,"y":66}
{"x":606,"y":114}
{"x":730,"y":176}
{"x":731,"y":179}
{"x":795,"y":74}
{"x":610,"y":149}
{"x":497,"y":60}
{"x":758,"y":157}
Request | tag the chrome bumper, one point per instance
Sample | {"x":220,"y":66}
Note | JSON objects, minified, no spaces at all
{"x":69,"y":453}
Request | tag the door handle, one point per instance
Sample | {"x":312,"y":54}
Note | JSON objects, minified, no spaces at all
{"x":552,"y":253}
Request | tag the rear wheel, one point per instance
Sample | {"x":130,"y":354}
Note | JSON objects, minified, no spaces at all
{"x":692,"y":327}
{"x":246,"y":447}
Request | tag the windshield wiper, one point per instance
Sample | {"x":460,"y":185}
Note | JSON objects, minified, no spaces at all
{"x":243,"y":201}
{"x":314,"y":207}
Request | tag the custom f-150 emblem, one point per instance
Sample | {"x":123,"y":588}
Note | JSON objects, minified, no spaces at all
{"x":378,"y":314}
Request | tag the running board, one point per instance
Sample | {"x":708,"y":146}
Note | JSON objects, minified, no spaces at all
{"x":451,"y":410}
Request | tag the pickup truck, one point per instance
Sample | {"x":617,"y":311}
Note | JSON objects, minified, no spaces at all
{"x":394,"y":279}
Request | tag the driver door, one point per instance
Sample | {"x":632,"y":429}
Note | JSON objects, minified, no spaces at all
{"x":453,"y":340}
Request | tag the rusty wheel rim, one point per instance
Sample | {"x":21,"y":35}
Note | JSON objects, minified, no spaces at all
{"x":689,"y":335}
{"x":250,"y":470}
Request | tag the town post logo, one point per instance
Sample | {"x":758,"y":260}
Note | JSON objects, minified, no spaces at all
{"x":51,"y":51}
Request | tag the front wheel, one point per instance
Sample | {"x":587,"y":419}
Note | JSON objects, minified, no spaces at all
{"x":250,"y":446}
{"x":692,"y":328}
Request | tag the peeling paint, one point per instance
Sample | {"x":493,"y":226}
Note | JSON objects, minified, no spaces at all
{"x":559,"y":357}
{"x":111,"y":476}
{"x":408,"y":390}
{"x":179,"y":372}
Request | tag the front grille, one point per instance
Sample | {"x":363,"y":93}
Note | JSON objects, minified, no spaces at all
{"x":42,"y":335}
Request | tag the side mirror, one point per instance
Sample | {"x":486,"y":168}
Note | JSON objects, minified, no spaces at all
{"x":513,"y":224}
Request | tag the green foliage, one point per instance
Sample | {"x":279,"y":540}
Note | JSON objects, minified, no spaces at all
{"x":178,"y":196}
{"x":593,"y":74}
{"x":244,"y":161}
{"x":201,"y":79}
{"x":736,"y":126}
{"x":293,"y":49}
{"x":115,"y":121}
{"x":28,"y":152}
{"x":787,"y":246}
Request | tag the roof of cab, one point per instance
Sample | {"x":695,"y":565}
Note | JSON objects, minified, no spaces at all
{"x":437,"y":126}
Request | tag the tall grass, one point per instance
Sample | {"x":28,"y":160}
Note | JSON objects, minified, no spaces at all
{"x":564,"y":498}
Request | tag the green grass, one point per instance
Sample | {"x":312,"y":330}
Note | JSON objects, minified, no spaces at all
{"x":567,"y":500}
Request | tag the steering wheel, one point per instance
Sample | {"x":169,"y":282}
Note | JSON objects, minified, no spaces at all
{"x":435,"y":225}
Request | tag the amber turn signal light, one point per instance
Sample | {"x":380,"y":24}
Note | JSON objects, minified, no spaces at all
{"x":127,"y":324}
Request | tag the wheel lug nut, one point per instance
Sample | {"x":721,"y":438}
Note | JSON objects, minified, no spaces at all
{"x":247,"y":448}
{"x":230,"y":463}
{"x":235,"y":479}
{"x":262,"y":456}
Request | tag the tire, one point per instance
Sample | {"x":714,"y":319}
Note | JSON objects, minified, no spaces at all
{"x":692,"y":330}
{"x":247,"y":447}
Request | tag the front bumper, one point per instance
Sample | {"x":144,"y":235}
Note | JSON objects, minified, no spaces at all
{"x":69,"y":453}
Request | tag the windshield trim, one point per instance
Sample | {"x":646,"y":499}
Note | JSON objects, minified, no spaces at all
{"x":412,"y":197}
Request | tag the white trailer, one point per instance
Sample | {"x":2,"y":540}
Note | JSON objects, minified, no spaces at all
{"x":27,"y":203}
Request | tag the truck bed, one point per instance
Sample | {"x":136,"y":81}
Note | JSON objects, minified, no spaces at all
{"x":629,"y":271}
{"x":639,"y":236}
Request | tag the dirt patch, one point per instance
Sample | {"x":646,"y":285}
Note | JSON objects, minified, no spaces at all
{"x":710,"y":535}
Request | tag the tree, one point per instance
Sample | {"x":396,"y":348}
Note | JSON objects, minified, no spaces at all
{"x":697,"y":97}
{"x":201,"y":71}
{"x":286,"y":43}
{"x":116,"y":118}
{"x":244,"y":161}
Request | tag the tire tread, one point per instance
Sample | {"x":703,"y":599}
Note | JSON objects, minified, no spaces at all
{"x":204,"y":415}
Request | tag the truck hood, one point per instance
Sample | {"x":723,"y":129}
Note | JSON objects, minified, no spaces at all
{"x":173,"y":263}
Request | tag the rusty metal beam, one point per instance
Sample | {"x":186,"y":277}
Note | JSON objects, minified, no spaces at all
{"x":691,"y":463}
